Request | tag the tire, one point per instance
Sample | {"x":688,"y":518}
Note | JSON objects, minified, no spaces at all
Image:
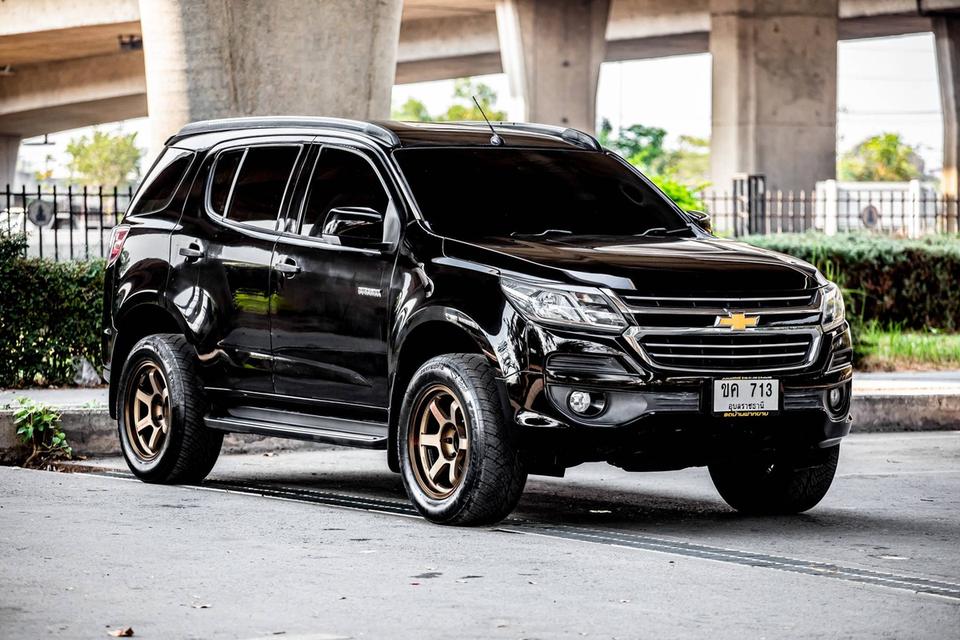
{"x":473,"y":437}
{"x":786,"y":485}
{"x":183,"y":450}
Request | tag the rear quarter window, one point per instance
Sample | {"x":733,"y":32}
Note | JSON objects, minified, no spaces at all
{"x":162,"y":183}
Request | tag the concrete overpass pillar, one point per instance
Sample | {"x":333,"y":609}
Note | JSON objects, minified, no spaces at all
{"x":774,"y":91}
{"x":552,"y":51}
{"x":213,"y":59}
{"x":9,"y":147}
{"x":946,"y":30}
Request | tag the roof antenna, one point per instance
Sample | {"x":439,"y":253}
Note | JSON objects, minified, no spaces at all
{"x":495,"y":139}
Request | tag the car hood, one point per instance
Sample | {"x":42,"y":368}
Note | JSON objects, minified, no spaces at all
{"x":652,"y":265}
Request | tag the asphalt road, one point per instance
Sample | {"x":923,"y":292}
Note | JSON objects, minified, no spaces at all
{"x":322,"y":544}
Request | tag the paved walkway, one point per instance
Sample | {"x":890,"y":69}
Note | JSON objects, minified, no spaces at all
{"x":906,"y":383}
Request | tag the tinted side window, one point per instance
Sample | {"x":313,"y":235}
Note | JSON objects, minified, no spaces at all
{"x":161,"y":185}
{"x":222,"y":180}
{"x":260,"y":185}
{"x":340,"y":179}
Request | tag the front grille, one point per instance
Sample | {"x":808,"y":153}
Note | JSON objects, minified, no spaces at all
{"x":774,"y":309}
{"x":722,"y":301}
{"x":722,"y":352}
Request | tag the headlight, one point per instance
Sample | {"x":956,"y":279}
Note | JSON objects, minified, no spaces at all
{"x":560,"y":305}
{"x":831,"y":308}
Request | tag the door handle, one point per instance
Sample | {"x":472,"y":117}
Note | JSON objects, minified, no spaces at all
{"x":193,"y":251}
{"x":287,"y":267}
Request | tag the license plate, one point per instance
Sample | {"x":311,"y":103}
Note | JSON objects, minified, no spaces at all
{"x":746,"y":396}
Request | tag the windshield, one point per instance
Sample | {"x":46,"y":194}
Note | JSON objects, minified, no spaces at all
{"x":470,"y":193}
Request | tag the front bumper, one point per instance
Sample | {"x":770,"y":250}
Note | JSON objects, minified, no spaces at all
{"x":658,"y":420}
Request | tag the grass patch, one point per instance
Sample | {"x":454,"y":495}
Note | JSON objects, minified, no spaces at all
{"x":892,"y":348}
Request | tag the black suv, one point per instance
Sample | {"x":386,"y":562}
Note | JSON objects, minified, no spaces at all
{"x":481,"y":305}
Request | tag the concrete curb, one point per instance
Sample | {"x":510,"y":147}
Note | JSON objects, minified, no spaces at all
{"x":91,"y":431}
{"x":888,"y":413}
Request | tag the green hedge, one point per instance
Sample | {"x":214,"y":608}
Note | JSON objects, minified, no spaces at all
{"x":913,"y":284}
{"x":50,"y":316}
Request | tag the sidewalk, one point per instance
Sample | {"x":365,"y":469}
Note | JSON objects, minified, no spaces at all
{"x":905,"y":383}
{"x":882,"y":402}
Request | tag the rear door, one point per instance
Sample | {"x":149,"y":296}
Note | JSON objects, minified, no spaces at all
{"x":231,"y":253}
{"x":330,"y":297}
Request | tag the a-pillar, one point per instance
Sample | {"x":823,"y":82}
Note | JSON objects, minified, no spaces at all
{"x":552,"y":51}
{"x":774,"y":91}
{"x":9,"y":147}
{"x":213,"y":59}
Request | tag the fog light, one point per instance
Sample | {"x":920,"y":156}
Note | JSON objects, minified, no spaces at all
{"x":579,"y":402}
{"x":835,"y":397}
{"x":587,"y":404}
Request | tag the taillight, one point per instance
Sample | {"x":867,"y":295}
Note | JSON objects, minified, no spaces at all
{"x":116,"y":242}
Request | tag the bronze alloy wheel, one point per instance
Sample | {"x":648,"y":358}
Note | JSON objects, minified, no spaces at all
{"x":438,"y":442}
{"x":147,"y":411}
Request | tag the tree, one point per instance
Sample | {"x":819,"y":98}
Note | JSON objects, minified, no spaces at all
{"x":642,"y":146}
{"x":464,"y":89}
{"x":680,"y":173}
{"x":104,"y":159}
{"x":881,"y":158}
{"x":412,"y":110}
{"x":689,"y":162}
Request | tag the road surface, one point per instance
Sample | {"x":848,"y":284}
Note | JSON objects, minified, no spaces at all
{"x":323,"y":544}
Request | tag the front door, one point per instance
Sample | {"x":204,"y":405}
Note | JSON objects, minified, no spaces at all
{"x":330,"y":298}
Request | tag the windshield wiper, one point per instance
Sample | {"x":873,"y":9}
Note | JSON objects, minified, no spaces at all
{"x":660,"y":231}
{"x":547,"y":232}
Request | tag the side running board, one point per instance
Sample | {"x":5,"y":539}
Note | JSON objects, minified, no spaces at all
{"x":301,"y":426}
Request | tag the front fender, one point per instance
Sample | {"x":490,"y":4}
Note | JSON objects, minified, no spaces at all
{"x":502,"y":345}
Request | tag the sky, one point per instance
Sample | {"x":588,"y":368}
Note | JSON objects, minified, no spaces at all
{"x":883,"y":84}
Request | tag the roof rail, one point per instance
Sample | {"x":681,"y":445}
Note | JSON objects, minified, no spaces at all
{"x":573,"y":136}
{"x":265,"y":122}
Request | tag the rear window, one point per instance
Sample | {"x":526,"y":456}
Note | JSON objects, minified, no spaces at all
{"x":161,"y":185}
{"x":222,"y":181}
{"x":260,"y":185}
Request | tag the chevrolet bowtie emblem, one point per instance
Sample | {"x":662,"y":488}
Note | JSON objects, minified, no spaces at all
{"x":737,"y":321}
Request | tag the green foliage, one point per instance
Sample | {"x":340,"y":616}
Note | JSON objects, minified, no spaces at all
{"x":38,"y":427}
{"x":463,"y":109}
{"x":685,"y":197}
{"x":412,"y":110}
{"x":678,"y":172}
{"x":881,"y":158}
{"x":689,"y":162}
{"x":104,"y":158}
{"x":50,"y":316}
{"x":911,"y":284}
{"x":890,"y":348}
{"x":642,"y":146}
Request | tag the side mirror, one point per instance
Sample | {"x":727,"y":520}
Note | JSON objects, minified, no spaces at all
{"x":353,"y":226}
{"x":702,"y":220}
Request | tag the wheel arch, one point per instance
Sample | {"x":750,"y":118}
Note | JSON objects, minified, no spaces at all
{"x":432,"y":332}
{"x":134,"y":324}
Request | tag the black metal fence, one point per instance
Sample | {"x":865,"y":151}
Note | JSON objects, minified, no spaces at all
{"x":72,"y":223}
{"x":911,"y":211}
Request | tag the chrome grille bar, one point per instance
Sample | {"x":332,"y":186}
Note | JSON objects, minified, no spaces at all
{"x":726,"y":357}
{"x":727,"y":346}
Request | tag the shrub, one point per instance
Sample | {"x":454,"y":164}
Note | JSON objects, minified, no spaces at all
{"x":50,"y":316}
{"x":38,"y":428}
{"x":913,"y":284}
